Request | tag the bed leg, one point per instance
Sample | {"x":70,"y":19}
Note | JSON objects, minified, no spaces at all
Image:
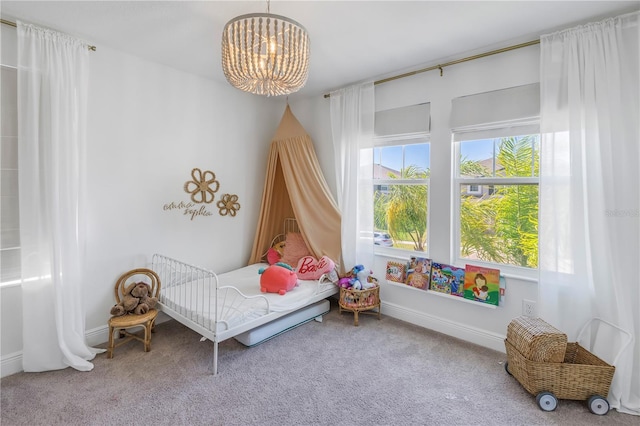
{"x":318,"y":318}
{"x":214,"y":359}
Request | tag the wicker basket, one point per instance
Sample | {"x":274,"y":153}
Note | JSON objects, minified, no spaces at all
{"x":536,"y":340}
{"x":579,"y":377}
{"x":358,"y":301}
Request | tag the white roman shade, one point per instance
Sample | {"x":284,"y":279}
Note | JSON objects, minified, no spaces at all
{"x":404,"y":120}
{"x":500,"y":113}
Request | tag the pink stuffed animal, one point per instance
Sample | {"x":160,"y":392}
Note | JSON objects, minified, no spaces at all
{"x":277,"y":278}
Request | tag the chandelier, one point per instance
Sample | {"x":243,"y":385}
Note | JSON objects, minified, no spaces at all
{"x":265,"y":54}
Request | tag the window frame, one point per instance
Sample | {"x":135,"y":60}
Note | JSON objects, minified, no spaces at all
{"x":521,"y":272}
{"x":403,"y":140}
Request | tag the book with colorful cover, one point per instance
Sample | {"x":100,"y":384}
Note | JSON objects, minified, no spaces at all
{"x":418,"y":273}
{"x":447,"y":279}
{"x":482,"y":284}
{"x":396,"y":271}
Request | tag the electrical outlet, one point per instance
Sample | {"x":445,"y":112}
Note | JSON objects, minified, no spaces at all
{"x":528,"y":308}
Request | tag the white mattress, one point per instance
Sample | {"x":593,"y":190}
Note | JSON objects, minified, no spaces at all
{"x":196,"y":301}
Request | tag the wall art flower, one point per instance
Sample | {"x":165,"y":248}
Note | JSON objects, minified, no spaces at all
{"x":203,"y":186}
{"x":228,"y":205}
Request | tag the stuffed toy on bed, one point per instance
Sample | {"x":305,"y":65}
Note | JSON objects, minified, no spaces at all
{"x":277,"y":278}
{"x":275,"y":253}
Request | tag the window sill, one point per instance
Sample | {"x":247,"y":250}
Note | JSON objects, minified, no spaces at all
{"x":447,"y":296}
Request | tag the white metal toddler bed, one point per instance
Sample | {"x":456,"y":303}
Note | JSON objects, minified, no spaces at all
{"x":231,"y":305}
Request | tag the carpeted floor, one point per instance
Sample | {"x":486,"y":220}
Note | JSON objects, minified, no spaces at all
{"x":383,"y":372}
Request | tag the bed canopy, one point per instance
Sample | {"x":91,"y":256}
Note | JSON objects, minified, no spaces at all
{"x":295,"y":187}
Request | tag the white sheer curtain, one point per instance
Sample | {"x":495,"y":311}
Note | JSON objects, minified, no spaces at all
{"x":352,"y":117}
{"x":589,"y":227}
{"x":52,"y":87}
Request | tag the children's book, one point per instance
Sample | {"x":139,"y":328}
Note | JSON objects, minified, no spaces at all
{"x":482,"y":284}
{"x":447,"y":279}
{"x":396,"y":271}
{"x":418,"y":273}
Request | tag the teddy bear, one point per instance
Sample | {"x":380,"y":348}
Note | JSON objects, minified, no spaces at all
{"x":142,"y":291}
{"x":136,"y":300}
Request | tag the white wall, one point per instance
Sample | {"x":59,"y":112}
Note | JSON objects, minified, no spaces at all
{"x":148,"y":127}
{"x":473,"y":322}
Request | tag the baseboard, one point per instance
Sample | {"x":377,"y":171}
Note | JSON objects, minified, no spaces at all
{"x":12,"y":363}
{"x":451,"y":328}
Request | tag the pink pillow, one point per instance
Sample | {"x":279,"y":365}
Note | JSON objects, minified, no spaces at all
{"x":294,"y":249}
{"x":309,"y":268}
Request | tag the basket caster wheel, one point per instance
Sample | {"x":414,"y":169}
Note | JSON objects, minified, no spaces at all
{"x":598,"y":405}
{"x":547,"y":401}
{"x":506,"y":368}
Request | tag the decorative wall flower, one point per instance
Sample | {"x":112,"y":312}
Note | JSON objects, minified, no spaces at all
{"x":202,"y":186}
{"x":228,"y":205}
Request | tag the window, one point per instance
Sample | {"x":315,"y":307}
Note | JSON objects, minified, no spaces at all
{"x":495,"y":179}
{"x":10,"y":230}
{"x":401,"y":192}
{"x":496,"y":197}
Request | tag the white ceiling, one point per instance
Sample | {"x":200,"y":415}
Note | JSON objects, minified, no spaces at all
{"x":351,"y":41}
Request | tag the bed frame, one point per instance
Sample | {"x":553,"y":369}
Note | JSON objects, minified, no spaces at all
{"x":211,"y":305}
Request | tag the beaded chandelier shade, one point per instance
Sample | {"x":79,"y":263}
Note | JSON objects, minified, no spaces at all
{"x":265,"y":54}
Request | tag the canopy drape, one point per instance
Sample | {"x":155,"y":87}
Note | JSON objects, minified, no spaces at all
{"x":295,"y":187}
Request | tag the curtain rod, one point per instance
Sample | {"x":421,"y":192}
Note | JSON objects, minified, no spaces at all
{"x":13,"y":24}
{"x":457,"y":61}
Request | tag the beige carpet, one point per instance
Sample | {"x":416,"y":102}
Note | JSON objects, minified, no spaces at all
{"x":383,"y":372}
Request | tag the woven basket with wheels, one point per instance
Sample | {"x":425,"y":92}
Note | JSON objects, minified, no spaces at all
{"x":580,"y":376}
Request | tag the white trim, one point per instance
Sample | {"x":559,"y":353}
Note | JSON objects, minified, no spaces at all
{"x":97,"y":336}
{"x":11,"y":364}
{"x":451,"y":328}
{"x":498,"y":181}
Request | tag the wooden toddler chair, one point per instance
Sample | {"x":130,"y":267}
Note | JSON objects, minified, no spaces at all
{"x":131,"y":320}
